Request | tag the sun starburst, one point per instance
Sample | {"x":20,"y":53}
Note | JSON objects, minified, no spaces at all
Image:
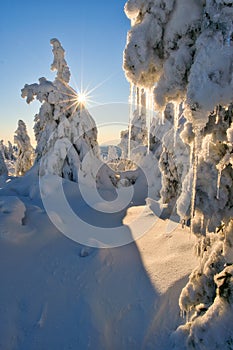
{"x":79,"y":98}
{"x":82,"y":98}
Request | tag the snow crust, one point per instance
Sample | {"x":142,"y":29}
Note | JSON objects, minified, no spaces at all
{"x":73,"y":296}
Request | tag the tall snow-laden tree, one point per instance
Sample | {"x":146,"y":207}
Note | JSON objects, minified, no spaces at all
{"x":65,"y":132}
{"x":25,"y":151}
{"x":182,"y":52}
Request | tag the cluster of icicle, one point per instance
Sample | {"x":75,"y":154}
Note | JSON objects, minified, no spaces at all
{"x":141,"y":105}
{"x":181,"y":52}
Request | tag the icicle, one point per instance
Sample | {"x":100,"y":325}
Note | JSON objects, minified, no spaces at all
{"x":143,"y":103}
{"x":149,"y":114}
{"x":182,"y":314}
{"x":147,"y":119}
{"x":208,"y":147}
{"x":228,"y":39}
{"x":219,"y":182}
{"x":131,"y":110}
{"x":187,"y":316}
{"x":135,"y":98}
{"x":194,"y":186}
{"x":162,"y":118}
{"x":202,"y":224}
{"x":191,"y":155}
{"x":139,"y":100}
{"x":217,"y":115}
{"x":195,"y":165}
{"x":176,"y":119}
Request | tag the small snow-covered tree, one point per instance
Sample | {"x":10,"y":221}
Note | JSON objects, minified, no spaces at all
{"x":3,"y":168}
{"x":25,"y":151}
{"x":112,"y":153}
{"x":11,"y":152}
{"x":3,"y":149}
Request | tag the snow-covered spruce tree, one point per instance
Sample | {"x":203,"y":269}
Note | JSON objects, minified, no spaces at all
{"x":25,"y":151}
{"x":3,"y":168}
{"x":65,"y":132}
{"x":112,"y":153}
{"x":7,"y":151}
{"x":182,"y":51}
{"x":11,"y":152}
{"x":3,"y":149}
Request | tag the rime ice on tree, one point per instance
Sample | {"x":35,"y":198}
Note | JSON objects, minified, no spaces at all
{"x":25,"y":151}
{"x":3,"y":168}
{"x":64,"y":130}
{"x":184,"y":50}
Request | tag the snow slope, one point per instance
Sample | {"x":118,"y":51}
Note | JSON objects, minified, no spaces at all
{"x":58,"y":294}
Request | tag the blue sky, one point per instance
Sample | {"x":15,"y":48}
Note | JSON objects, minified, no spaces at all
{"x":93,"y":33}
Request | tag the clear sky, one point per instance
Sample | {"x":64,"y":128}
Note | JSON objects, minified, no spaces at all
{"x":93,"y":33}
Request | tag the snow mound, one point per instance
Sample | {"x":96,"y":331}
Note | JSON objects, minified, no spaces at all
{"x":12,"y":218}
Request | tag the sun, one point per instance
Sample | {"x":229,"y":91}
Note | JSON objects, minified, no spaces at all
{"x":82,"y":98}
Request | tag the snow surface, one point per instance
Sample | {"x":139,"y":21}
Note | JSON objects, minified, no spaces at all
{"x":58,"y":294}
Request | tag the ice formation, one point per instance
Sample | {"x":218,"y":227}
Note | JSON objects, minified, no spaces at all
{"x":25,"y":151}
{"x":137,"y":134}
{"x":182,"y":51}
{"x":65,"y":132}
